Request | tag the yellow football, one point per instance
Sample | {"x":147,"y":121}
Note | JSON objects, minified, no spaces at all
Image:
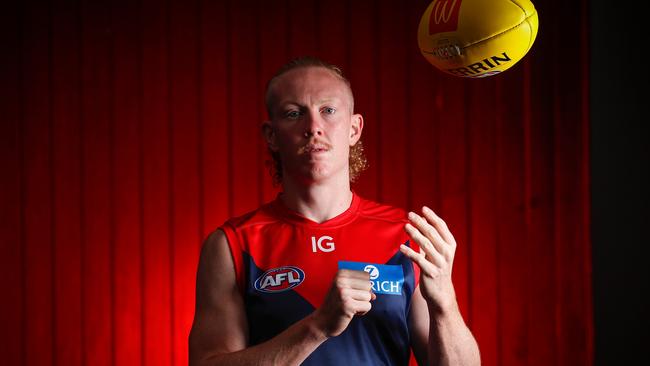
{"x":477,"y":38}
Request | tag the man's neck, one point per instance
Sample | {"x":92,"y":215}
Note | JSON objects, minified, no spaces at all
{"x":317,"y":202}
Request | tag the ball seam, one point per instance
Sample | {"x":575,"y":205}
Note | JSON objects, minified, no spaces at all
{"x":496,"y":35}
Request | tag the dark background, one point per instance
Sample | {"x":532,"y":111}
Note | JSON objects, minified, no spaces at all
{"x":620,"y":200}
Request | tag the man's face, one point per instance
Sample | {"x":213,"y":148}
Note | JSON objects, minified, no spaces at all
{"x":312,"y":126}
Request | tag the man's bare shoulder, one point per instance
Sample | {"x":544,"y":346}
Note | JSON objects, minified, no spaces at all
{"x":215,"y":237}
{"x":215,"y":253}
{"x":215,"y":242}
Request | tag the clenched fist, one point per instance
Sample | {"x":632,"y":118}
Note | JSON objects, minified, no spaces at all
{"x":349,"y":295}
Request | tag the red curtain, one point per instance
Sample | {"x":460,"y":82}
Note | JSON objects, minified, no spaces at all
{"x":130,"y":130}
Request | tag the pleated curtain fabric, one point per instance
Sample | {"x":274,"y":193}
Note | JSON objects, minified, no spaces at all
{"x":131,"y":129}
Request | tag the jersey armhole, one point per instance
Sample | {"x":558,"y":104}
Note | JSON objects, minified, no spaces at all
{"x":416,"y":275}
{"x":236,"y":254}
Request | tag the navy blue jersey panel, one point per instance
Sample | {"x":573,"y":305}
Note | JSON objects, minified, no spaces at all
{"x":409,"y":274}
{"x":363,"y":343}
{"x":380,"y":337}
{"x":270,"y":313}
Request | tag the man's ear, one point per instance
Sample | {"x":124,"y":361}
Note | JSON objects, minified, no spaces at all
{"x":356,"y":128}
{"x":269,"y":135}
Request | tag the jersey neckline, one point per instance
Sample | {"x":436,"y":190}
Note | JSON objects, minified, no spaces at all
{"x":287,"y":214}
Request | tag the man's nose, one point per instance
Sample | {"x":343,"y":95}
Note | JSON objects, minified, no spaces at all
{"x":313,"y":124}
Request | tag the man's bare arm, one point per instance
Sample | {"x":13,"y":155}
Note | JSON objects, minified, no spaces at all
{"x":441,"y":339}
{"x":440,"y":336}
{"x":219,"y":332}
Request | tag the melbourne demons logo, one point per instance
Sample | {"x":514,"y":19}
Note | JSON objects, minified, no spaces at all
{"x":444,"y":16}
{"x":280,"y":279}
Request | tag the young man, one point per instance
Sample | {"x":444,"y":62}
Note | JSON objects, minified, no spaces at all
{"x":321,"y":276}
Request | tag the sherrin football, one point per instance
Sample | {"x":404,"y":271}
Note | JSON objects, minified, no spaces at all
{"x":477,"y":38}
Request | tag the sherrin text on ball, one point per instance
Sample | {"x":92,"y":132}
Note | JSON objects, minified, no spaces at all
{"x":477,"y":38}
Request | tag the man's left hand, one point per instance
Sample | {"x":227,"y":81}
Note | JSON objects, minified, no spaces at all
{"x":435,"y":258}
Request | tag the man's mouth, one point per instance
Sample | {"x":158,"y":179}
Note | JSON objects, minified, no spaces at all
{"x":314,"y":149}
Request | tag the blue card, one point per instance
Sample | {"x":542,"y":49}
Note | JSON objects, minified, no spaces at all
{"x":386,"y":278}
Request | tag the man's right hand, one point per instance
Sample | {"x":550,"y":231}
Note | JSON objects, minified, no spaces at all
{"x":349,"y":295}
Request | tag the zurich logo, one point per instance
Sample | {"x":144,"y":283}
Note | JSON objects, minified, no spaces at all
{"x":372,"y":270}
{"x":279,"y":279}
{"x":385,"y":279}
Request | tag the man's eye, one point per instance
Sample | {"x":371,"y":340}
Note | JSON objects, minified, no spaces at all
{"x":329,"y":110}
{"x":292,"y":114}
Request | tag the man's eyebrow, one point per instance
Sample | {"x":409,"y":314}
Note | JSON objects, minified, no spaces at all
{"x":329,"y":99}
{"x":289,"y":103}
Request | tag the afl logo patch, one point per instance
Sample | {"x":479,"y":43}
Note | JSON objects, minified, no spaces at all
{"x":279,"y":279}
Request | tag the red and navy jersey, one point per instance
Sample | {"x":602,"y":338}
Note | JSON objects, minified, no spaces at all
{"x":285,"y":264}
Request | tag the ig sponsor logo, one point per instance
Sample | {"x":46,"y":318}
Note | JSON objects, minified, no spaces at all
{"x":324,"y":244}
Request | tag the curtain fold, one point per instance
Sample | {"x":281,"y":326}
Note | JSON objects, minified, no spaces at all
{"x":131,"y":129}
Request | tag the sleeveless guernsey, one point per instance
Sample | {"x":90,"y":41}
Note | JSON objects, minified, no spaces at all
{"x":285,"y":264}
